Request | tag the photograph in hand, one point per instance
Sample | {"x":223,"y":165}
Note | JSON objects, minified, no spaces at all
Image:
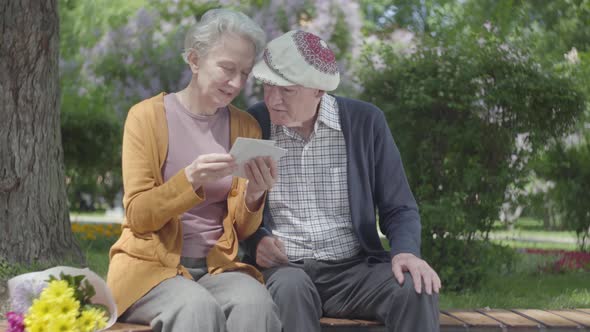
{"x":245,"y":149}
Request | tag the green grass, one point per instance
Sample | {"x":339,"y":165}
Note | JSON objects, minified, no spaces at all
{"x":537,"y":245}
{"x":526,"y":227}
{"x":98,"y":213}
{"x":524,"y":290}
{"x":97,"y":253}
{"x":524,"y":287}
{"x":524,"y":223}
{"x":537,"y":234}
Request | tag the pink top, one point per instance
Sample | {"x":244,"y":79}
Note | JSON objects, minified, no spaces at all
{"x":189,"y":136}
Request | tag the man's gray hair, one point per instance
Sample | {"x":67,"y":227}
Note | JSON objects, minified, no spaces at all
{"x":214,"y":23}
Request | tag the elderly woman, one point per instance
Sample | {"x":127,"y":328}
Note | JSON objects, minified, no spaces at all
{"x":175,"y":266}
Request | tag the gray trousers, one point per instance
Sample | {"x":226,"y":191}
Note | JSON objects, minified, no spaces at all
{"x":354,"y":288}
{"x":230,"y":301}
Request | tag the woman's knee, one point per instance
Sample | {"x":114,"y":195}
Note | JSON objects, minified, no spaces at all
{"x":196,"y":301}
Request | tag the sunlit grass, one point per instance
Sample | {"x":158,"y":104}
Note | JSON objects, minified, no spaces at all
{"x":530,"y":291}
{"x":525,"y":287}
{"x":536,"y":245}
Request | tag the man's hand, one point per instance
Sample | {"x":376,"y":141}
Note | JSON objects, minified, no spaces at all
{"x":419,"y":270}
{"x":270,"y":252}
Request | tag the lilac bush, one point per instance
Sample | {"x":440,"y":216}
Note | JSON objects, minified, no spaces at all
{"x":142,"y":57}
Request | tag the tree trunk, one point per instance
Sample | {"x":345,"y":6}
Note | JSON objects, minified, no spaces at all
{"x":34,"y":217}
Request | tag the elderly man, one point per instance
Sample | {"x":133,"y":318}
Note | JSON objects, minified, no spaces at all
{"x":318,"y":247}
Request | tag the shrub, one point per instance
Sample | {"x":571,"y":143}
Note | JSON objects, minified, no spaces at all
{"x":457,"y":111}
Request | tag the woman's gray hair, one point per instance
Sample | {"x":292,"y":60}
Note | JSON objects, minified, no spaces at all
{"x":214,"y":23}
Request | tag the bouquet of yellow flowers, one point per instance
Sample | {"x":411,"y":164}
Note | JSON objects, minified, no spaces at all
{"x":43,"y":302}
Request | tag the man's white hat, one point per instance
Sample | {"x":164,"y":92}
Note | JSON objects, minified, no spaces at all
{"x":298,"y":58}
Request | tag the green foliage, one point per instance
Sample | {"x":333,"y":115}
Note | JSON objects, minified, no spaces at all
{"x":377,"y":16}
{"x":82,"y":23}
{"x":569,"y":168}
{"x":91,"y":138}
{"x":455,"y":111}
{"x":90,"y":124}
{"x":566,"y":161}
{"x":341,"y":36}
{"x":557,"y":26}
{"x":467,"y":264}
{"x":9,"y":270}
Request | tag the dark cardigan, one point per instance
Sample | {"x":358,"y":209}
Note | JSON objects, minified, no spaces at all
{"x":376,"y":180}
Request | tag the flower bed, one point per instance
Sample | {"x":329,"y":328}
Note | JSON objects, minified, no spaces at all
{"x":89,"y":231}
{"x":565,"y":261}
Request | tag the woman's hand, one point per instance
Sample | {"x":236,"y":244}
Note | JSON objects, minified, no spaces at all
{"x":262,"y":173}
{"x":210,"y":167}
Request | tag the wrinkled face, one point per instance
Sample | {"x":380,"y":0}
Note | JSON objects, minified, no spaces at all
{"x":221,"y":74}
{"x":292,"y":106}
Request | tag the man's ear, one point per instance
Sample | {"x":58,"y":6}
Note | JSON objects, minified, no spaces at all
{"x":320,"y":93}
{"x":193,"y":61}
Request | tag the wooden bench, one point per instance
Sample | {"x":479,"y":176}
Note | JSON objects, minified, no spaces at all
{"x":452,"y":321}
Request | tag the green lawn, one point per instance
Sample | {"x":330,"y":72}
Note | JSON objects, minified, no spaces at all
{"x":525,"y":287}
{"x":529,"y":233}
{"x":97,"y":253}
{"x":536,"y":245}
{"x":535,"y":291}
{"x":548,"y":235}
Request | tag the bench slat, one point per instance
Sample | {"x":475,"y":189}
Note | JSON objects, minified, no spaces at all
{"x":338,"y":322}
{"x":124,"y":327}
{"x":578,"y":317}
{"x":473,"y":318}
{"x":453,"y":319}
{"x":446,"y":320}
{"x":510,"y":318}
{"x":547,"y":318}
{"x":363,"y":322}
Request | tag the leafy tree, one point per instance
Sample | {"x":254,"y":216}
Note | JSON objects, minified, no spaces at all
{"x":91,"y":127}
{"x":566,"y":162}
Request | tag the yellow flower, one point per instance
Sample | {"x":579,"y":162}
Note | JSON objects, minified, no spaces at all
{"x":39,"y":311}
{"x":37,"y":327}
{"x":91,"y":320}
{"x":68,"y":306}
{"x":57,"y":289}
{"x":56,"y":309}
{"x":62,"y":323}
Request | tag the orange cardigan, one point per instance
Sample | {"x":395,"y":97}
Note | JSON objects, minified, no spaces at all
{"x":148,"y":251}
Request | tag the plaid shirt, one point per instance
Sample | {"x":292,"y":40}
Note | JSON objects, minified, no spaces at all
{"x":309,"y":204}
